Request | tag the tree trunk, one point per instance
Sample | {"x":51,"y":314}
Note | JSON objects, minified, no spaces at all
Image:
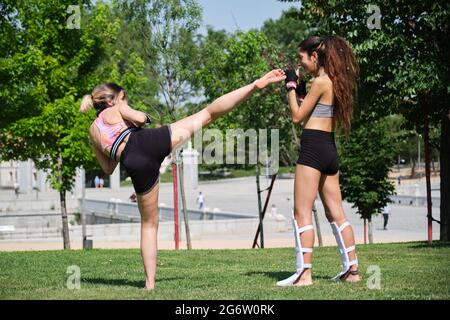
{"x":365,"y":231}
{"x":370,"y":230}
{"x":62,"y":200}
{"x":316,"y":220}
{"x":65,"y":223}
{"x":413,"y":168}
{"x":427,"y":175}
{"x":183,"y":200}
{"x":445,"y":178}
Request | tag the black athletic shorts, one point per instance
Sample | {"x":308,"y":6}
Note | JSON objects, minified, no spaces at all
{"x":143,"y":155}
{"x":318,"y":151}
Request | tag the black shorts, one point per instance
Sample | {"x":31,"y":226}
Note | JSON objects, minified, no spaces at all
{"x":318,"y":151}
{"x":143,"y":155}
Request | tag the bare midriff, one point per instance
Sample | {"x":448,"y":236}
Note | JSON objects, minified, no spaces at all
{"x":324,"y":124}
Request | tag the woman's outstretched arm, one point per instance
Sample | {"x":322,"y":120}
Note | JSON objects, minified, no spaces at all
{"x":185,"y":128}
{"x":228,"y":101}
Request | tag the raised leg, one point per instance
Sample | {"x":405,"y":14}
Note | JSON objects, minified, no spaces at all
{"x":185,"y":128}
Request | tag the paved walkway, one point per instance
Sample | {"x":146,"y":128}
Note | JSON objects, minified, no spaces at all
{"x":406,"y":223}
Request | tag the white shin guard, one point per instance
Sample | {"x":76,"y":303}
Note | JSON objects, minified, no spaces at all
{"x":346,"y":263}
{"x":299,"y":259}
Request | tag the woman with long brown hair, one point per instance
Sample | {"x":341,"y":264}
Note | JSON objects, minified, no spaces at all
{"x":116,"y":136}
{"x":329,"y":103}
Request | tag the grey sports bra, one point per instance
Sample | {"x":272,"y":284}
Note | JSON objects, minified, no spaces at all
{"x":323,"y":110}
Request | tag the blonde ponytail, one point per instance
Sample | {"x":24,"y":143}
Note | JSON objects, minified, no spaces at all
{"x":86,"y":103}
{"x":102,"y":97}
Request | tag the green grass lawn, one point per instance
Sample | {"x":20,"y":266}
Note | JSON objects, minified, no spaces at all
{"x":411,"y":270}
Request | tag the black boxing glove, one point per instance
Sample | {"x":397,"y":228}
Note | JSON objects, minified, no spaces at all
{"x":301,"y":90}
{"x":291,"y":79}
{"x":148,"y":118}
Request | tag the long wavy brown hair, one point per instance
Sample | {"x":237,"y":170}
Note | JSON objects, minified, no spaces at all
{"x":339,"y":62}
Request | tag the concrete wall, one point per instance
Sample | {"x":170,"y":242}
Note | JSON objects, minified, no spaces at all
{"x":30,"y":220}
{"x":131,"y":231}
{"x":415,"y":201}
{"x":37,"y":205}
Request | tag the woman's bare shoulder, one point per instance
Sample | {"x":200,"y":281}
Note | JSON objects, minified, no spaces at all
{"x":112,"y":115}
{"x":323,"y":80}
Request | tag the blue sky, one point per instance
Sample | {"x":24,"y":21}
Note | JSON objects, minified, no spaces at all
{"x":240,"y":14}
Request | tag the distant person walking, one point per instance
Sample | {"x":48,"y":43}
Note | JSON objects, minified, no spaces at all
{"x":386,"y":211}
{"x":102,"y":183}
{"x":96,"y":181}
{"x":274,"y":210}
{"x":16,"y":189}
{"x":201,"y":200}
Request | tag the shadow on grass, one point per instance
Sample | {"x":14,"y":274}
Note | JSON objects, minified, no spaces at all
{"x":425,"y":245}
{"x":123,"y":282}
{"x":114,"y":282}
{"x":277,"y":276}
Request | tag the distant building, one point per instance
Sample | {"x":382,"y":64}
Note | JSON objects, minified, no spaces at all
{"x":8,"y":174}
{"x":25,"y":174}
{"x":29,"y":177}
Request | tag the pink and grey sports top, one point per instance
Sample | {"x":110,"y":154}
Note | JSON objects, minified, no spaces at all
{"x":112,"y":134}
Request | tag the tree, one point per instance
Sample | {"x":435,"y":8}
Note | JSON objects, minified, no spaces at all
{"x":409,"y":141}
{"x":231,"y":61}
{"x":57,"y":142}
{"x":239,"y":60}
{"x":56,"y":65}
{"x":173,"y":24}
{"x":38,"y":75}
{"x":35,"y":43}
{"x":166,"y":29}
{"x":366,"y":160}
{"x":404,"y":65}
{"x":287,"y":32}
{"x":131,"y":60}
{"x":169,"y":28}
